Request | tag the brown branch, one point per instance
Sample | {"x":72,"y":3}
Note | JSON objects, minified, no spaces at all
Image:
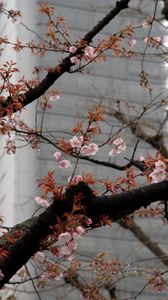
{"x":145,"y":239}
{"x":156,"y":141}
{"x":114,"y":206}
{"x":66,"y":64}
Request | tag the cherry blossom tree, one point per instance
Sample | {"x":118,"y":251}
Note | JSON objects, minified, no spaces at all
{"x":84,"y":202}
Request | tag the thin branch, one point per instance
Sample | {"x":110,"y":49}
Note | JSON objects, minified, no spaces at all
{"x":66,"y":64}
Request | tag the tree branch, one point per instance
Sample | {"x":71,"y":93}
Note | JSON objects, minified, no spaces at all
{"x":114,"y":206}
{"x":145,"y":239}
{"x":63,"y":67}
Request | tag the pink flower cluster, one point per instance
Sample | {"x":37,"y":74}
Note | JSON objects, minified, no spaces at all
{"x":89,"y":53}
{"x":76,"y":142}
{"x":159,"y":172}
{"x":119,"y":146}
{"x":87,"y":150}
{"x":41,"y":201}
{"x":39,"y":257}
{"x":90,"y":149}
{"x":68,"y":242}
{"x":65,"y":163}
{"x":75,"y":179}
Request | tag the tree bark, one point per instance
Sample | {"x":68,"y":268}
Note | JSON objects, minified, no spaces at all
{"x":114,"y":206}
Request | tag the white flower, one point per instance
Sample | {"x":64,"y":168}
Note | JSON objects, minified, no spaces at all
{"x":89,"y":52}
{"x":41,"y":201}
{"x":64,"y":238}
{"x":159,"y":173}
{"x":74,"y":60}
{"x":72,"y":49}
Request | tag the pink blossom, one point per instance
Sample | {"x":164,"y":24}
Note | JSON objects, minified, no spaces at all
{"x":58,"y":277}
{"x":57,"y":155}
{"x":76,"y":142}
{"x":55,"y":42}
{"x":85,"y":150}
{"x":88,"y":221}
{"x":80,"y":230}
{"x":72,"y":49}
{"x":68,"y":242}
{"x":159,"y":173}
{"x":74,"y":60}
{"x":148,"y":21}
{"x":69,"y":249}
{"x":119,"y":147}
{"x":65,"y":163}
{"x":1,"y":275}
{"x":75,"y":179}
{"x":113,"y":152}
{"x":41,"y":201}
{"x":64,"y":237}
{"x":91,"y":149}
{"x":141,"y":158}
{"x":39,"y":257}
{"x":89,"y":52}
{"x":133,"y":42}
{"x":55,"y":97}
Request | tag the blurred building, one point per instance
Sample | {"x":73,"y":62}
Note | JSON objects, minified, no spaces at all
{"x":105,"y":83}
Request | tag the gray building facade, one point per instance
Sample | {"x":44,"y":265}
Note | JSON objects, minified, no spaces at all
{"x":103,"y":84}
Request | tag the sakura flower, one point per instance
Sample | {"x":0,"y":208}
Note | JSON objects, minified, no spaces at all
{"x":132,"y":42}
{"x":72,"y":49}
{"x":74,"y":60}
{"x":157,"y":283}
{"x":85,"y":150}
{"x":88,"y":221}
{"x":159,"y":173}
{"x":80,"y":230}
{"x":148,"y":21}
{"x":113,"y":152}
{"x":57,"y":155}
{"x":91,"y":149}
{"x":119,"y":147}
{"x":39,"y":257}
{"x":64,"y":238}
{"x":41,"y":201}
{"x":89,"y":52}
{"x":55,"y":42}
{"x":76,"y":142}
{"x":1,"y":275}
{"x":65,"y":164}
{"x":75,"y":179}
{"x":54,"y":97}
{"x":69,"y":249}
